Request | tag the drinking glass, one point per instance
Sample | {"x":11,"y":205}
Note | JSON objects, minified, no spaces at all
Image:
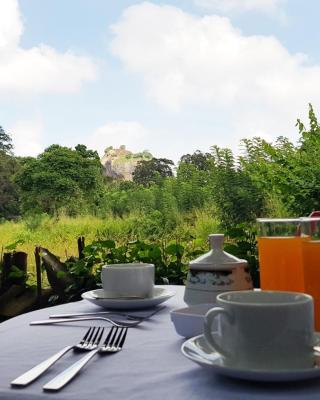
{"x":280,"y":254}
{"x":310,"y":229}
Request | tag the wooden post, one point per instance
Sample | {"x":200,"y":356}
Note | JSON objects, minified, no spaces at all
{"x":20,"y":260}
{"x":17,"y":259}
{"x":38,"y":272}
{"x":6,"y":265}
{"x":81,"y":247}
{"x":57,"y":272}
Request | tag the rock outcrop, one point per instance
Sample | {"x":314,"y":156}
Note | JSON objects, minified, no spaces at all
{"x":120,"y":163}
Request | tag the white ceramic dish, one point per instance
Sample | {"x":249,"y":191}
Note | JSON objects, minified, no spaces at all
{"x":188,"y":321}
{"x":197,"y":350}
{"x":159,"y":296}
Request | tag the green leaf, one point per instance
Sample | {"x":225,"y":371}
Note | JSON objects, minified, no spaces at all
{"x":109,"y":244}
{"x":16,"y":272}
{"x":13,"y":246}
{"x":61,"y":274}
{"x":175,"y":249}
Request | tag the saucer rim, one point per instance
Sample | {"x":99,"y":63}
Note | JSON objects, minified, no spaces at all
{"x":267,"y":375}
{"x":122,"y":304}
{"x":165,"y":293}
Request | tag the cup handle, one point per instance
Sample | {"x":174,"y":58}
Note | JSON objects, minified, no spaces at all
{"x":209,"y":317}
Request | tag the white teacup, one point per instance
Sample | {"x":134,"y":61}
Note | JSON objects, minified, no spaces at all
{"x":263,"y":329}
{"x":128,"y":280}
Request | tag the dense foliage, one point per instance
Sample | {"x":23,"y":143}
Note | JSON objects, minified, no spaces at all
{"x":9,"y":199}
{"x":148,"y":171}
{"x":169,"y":260}
{"x":280,"y":179}
{"x":60,"y":179}
{"x":162,"y":202}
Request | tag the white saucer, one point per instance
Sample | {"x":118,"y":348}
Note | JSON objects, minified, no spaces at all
{"x":197,"y":350}
{"x":159,"y":296}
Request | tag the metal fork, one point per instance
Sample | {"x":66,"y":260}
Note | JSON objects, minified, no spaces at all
{"x":112,"y":344}
{"x":126,"y":315}
{"x":116,"y":323}
{"x":89,"y":342}
{"x":120,"y":324}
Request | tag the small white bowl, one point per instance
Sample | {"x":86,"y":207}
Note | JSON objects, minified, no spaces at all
{"x":188,"y":321}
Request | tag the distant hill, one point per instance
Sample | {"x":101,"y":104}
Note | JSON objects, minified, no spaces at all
{"x":120,"y":163}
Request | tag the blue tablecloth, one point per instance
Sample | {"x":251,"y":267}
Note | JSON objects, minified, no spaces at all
{"x":150,"y":366}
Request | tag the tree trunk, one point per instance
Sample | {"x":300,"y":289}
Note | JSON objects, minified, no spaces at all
{"x":38,"y":271}
{"x":81,"y":247}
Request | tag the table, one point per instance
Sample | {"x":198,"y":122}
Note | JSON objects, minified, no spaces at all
{"x":150,"y":366}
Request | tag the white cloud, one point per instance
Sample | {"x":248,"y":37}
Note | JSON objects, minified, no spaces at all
{"x":128,"y":133}
{"x":189,"y":61}
{"x":27,"y":137}
{"x":227,"y":6}
{"x":39,"y":69}
{"x":10,"y":24}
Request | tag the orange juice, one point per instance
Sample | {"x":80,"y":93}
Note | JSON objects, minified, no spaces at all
{"x":311,"y":261}
{"x":281,"y":264}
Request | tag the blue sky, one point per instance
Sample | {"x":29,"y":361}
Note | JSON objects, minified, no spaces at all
{"x":168,"y":76}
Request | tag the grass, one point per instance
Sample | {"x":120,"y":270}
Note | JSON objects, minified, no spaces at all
{"x":60,"y":235}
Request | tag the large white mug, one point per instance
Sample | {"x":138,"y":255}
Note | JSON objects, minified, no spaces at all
{"x":263,"y":329}
{"x":128,"y":280}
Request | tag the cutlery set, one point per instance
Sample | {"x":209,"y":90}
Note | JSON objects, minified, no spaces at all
{"x":63,"y":318}
{"x":90,"y":343}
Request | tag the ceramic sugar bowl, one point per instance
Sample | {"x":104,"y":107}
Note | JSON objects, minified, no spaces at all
{"x":215,"y":272}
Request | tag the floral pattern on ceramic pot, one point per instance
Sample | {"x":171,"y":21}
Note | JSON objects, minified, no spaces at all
{"x":216,"y":278}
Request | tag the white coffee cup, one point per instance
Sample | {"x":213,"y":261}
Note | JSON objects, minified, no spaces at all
{"x":263,"y":329}
{"x":128,"y":280}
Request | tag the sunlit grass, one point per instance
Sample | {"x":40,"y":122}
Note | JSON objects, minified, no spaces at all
{"x":60,"y":235}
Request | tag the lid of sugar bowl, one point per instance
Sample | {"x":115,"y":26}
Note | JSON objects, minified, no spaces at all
{"x":217,"y":259}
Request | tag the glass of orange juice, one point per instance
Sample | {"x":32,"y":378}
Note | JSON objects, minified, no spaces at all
{"x":280,"y":254}
{"x":310,"y":229}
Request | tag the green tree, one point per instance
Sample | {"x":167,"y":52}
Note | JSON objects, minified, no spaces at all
{"x":154,"y":170}
{"x":305,"y":177}
{"x":202,"y":161}
{"x":61,"y":179}
{"x":270,"y":169}
{"x":192,"y":186}
{"x":237,"y":198}
{"x":9,"y":198}
{"x":193,"y":180}
{"x":5,"y":142}
{"x":288,"y":175}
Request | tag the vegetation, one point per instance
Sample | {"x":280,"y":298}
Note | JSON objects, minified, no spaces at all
{"x":52,"y":199}
{"x":60,"y":235}
{"x":9,"y":200}
{"x":60,"y":179}
{"x":152,"y":171}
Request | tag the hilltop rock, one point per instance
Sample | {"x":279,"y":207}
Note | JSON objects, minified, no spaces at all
{"x":120,"y":163}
